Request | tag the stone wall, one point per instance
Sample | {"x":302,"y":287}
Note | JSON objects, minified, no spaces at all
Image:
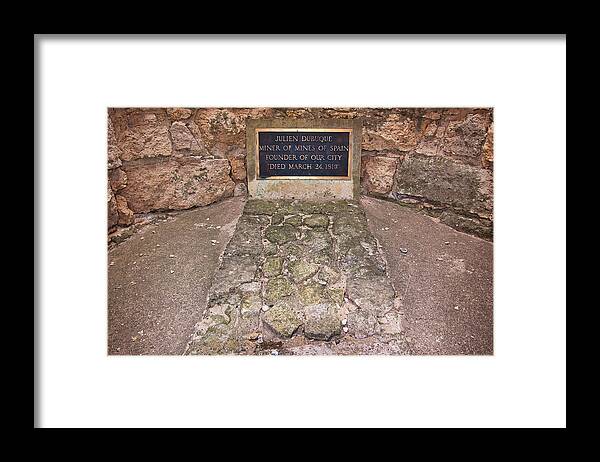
{"x":436,"y":160}
{"x":439,"y":161}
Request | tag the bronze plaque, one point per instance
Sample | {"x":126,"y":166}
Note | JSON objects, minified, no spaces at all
{"x":287,"y":153}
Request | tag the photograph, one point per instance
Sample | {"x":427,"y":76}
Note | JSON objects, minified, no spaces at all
{"x":300,"y":231}
{"x":297,"y":231}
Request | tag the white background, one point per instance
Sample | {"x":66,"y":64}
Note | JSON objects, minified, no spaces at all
{"x":523,"y":384}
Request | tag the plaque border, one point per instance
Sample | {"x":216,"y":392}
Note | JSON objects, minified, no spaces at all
{"x":346,"y":177}
{"x":315,"y":188}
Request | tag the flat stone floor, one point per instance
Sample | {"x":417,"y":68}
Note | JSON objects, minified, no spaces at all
{"x":443,"y":279}
{"x":154,"y":299}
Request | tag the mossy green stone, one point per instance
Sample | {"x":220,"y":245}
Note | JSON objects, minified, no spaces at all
{"x":281,"y":234}
{"x":317,"y":240}
{"x":282,"y":318}
{"x":260,"y":207}
{"x":272,"y":266}
{"x":213,"y":340}
{"x":211,"y":343}
{"x":288,"y":207}
{"x":300,"y":270}
{"x":335,"y":295}
{"x":311,"y":207}
{"x":231,"y":345}
{"x":329,"y":275}
{"x":311,"y":293}
{"x":317,"y":221}
{"x":294,"y":220}
{"x":350,"y":227}
{"x":277,"y":288}
{"x":277,"y":219}
{"x":219,"y":319}
{"x":287,"y":269}
{"x":270,"y":248}
{"x":293,"y":249}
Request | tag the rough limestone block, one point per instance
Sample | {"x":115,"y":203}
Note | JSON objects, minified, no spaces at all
{"x":322,"y":321}
{"x":378,"y":174}
{"x":447,"y":182}
{"x":141,"y":133}
{"x":176,"y":184}
{"x":114,"y":152}
{"x":282,"y":318}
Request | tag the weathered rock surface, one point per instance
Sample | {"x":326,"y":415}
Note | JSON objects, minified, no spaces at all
{"x":372,"y":294}
{"x":179,"y":113}
{"x":311,"y":293}
{"x":114,"y":152}
{"x":444,"y":181}
{"x":125,"y":214}
{"x":477,"y":226}
{"x":237,"y":160}
{"x":464,"y":135}
{"x":233,"y":273}
{"x":317,"y":241}
{"x":283,"y":318}
{"x":227,"y":125}
{"x":378,"y":174}
{"x":291,"y":284}
{"x":246,"y":241}
{"x":277,"y":288}
{"x":362,"y":324}
{"x":240,"y":190}
{"x":113,"y":213}
{"x":272,"y":266}
{"x":322,"y":321}
{"x":121,"y":234}
{"x":301,"y":269}
{"x":184,"y":142}
{"x":396,"y":132}
{"x":141,"y":133}
{"x":281,"y":234}
{"x":176,"y":184}
{"x":488,"y":148}
{"x":317,"y":220}
{"x":117,"y":179}
{"x":328,"y":275}
{"x":464,"y":138}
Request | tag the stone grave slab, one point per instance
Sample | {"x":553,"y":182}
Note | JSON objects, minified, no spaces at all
{"x":300,"y":277}
{"x":302,"y":273}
